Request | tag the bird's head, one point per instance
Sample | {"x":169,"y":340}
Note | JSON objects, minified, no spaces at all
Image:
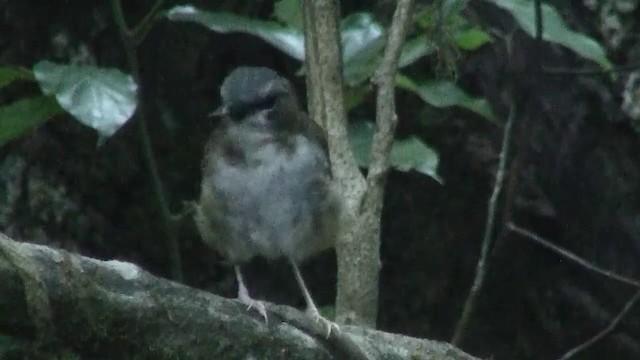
{"x":257,"y":94}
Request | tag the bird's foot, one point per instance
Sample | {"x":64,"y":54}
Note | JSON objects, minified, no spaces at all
{"x":314,"y":314}
{"x":254,"y":304}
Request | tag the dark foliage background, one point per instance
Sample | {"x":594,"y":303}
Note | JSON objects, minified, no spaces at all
{"x":574,"y":178}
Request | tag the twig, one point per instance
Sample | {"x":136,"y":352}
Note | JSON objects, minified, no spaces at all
{"x":575,"y":258}
{"x":146,"y":24}
{"x":589,"y":72}
{"x":612,"y":325}
{"x":539,"y":20}
{"x":129,"y":43}
{"x":481,"y":268}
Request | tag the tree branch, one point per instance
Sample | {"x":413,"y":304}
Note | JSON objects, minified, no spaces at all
{"x":612,"y":325}
{"x":575,"y":258}
{"x":481,"y":267}
{"x":129,"y":40}
{"x":323,"y":63}
{"x":114,"y":309}
{"x":358,"y":248}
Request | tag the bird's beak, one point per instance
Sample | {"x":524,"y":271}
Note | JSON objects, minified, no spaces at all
{"x":221,"y":111}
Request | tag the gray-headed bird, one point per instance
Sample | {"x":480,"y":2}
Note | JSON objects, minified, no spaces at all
{"x":266,"y":183}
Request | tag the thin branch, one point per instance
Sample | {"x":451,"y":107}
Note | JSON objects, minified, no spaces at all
{"x":386,"y":117}
{"x":481,"y":268}
{"x":539,"y":20}
{"x":129,"y":44}
{"x":612,"y":325}
{"x":591,"y":72}
{"x":386,"y":120}
{"x":140,"y":31}
{"x":575,"y":258}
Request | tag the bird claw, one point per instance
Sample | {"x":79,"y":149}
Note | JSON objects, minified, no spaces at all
{"x":257,"y":305}
{"x":317,"y":318}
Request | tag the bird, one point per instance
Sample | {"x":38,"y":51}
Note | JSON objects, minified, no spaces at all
{"x":266,"y":181}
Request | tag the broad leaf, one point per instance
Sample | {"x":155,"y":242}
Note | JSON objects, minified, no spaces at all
{"x":289,"y":12}
{"x":23,"y":115}
{"x":362,"y":44}
{"x":472,"y":39}
{"x":362,"y":36}
{"x":103,"y":99}
{"x":442,"y":93}
{"x":554,"y":29}
{"x":363,"y":40}
{"x":287,"y":39}
{"x":408,"y":154}
{"x":9,"y":74}
{"x":413,"y":154}
{"x":414,"y":49}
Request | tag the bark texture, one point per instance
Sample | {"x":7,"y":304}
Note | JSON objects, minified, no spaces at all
{"x":111,"y":309}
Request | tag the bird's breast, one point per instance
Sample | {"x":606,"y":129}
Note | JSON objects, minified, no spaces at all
{"x":275,"y":199}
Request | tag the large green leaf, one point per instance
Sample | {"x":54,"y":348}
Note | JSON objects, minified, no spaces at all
{"x":289,"y":12}
{"x":555,"y":29}
{"x":443,"y":93}
{"x":363,"y":40}
{"x":413,"y":154}
{"x":287,"y":39}
{"x":9,"y":74}
{"x":408,"y":154}
{"x":414,"y":49}
{"x":363,"y":37}
{"x":23,"y":115}
{"x":103,"y":99}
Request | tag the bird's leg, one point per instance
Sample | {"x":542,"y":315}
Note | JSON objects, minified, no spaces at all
{"x":312,"y":310}
{"x":243,"y":295}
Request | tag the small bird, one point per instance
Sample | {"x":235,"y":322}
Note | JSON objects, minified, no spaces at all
{"x":266,"y":183}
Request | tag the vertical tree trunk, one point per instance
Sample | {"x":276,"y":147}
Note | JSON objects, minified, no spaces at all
{"x":358,"y":247}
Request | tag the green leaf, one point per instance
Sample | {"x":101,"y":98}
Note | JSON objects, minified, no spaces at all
{"x":289,"y":12}
{"x":362,"y":36}
{"x":287,"y":39}
{"x":23,"y":115}
{"x":443,"y":93}
{"x":408,"y":154}
{"x":441,"y":14}
{"x":472,"y":39}
{"x":9,"y":74}
{"x":414,"y":49}
{"x":360,"y":137}
{"x":362,"y":44}
{"x":413,"y":154}
{"x":555,"y":29}
{"x":103,"y":99}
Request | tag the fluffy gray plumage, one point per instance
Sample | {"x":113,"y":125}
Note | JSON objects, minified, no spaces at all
{"x":266,"y":185}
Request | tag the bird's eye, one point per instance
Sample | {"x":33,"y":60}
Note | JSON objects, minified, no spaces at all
{"x":268,"y":102}
{"x":240,"y":110}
